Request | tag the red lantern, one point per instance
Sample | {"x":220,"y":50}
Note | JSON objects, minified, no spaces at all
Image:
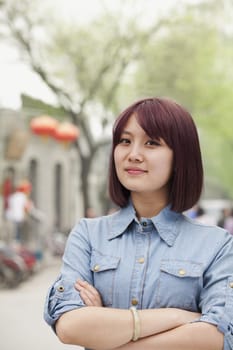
{"x":44,"y":125}
{"x":66,"y":133}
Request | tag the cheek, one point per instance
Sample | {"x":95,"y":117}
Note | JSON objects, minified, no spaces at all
{"x":117,"y":160}
{"x":165,"y":165}
{"x":117,"y":156}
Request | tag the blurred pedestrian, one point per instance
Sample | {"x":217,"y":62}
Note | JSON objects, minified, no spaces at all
{"x":147,"y":276}
{"x":228,"y":222}
{"x":225,"y":212}
{"x":19,"y":205}
{"x":203,"y":217}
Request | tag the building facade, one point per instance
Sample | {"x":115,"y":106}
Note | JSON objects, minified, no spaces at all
{"x":52,"y":168}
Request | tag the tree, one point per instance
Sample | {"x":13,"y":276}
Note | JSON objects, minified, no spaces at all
{"x":96,"y":71}
{"x":192,"y":62}
{"x":82,"y":67}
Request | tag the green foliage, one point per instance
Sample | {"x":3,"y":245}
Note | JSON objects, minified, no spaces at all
{"x":96,"y":61}
{"x":191,"y":61}
{"x":178,"y":62}
{"x":186,"y":54}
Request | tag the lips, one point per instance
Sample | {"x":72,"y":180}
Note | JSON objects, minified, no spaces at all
{"x":135,"y":171}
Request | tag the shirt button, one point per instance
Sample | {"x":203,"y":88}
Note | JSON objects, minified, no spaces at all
{"x":144,"y":223}
{"x":141,"y":260}
{"x":60,"y":288}
{"x":182,"y":272}
{"x":96,"y":268}
{"x":231,"y":284}
{"x":134,"y":302}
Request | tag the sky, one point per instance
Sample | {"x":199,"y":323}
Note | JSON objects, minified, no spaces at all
{"x":17,"y":78}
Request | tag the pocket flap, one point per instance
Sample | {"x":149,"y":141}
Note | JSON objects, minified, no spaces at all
{"x":101,"y":262}
{"x":181,"y":268}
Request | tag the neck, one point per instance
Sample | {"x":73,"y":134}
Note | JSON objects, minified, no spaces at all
{"x":148,"y":207}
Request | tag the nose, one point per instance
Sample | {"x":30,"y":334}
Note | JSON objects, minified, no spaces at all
{"x":135,"y":155}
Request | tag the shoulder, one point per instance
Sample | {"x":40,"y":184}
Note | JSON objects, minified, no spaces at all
{"x":97,"y":221}
{"x":93,"y":226}
{"x":204,"y":231}
{"x":200,"y":226}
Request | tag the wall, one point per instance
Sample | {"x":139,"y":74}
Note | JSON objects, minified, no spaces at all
{"x":52,"y":169}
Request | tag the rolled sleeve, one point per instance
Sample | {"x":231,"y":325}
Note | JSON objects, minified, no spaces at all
{"x":226,"y":322}
{"x":217,"y":295}
{"x":62,"y":295}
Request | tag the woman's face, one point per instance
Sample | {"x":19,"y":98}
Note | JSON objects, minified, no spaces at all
{"x":143,"y":165}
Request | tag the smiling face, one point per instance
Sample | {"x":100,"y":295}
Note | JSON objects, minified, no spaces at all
{"x":143,"y":165}
{"x":164,"y":168}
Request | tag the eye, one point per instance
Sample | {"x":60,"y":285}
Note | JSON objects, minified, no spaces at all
{"x":153,"y":143}
{"x":124,"y":141}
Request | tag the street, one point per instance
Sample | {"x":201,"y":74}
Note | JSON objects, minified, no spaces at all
{"x":21,"y":321}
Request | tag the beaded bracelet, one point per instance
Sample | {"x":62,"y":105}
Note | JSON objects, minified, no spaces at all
{"x":136,"y":329}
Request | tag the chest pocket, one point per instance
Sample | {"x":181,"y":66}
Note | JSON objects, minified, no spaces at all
{"x":179,"y":284}
{"x":104,"y":269}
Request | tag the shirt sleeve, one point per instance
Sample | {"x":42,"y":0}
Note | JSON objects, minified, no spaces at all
{"x":216,"y":300}
{"x":62,"y":295}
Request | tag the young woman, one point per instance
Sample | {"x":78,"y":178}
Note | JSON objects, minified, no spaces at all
{"x":147,"y":277}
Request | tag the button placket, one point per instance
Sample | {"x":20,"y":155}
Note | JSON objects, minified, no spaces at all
{"x":142,"y":246}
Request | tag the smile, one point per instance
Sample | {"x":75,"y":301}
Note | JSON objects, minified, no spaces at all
{"x":135,"y":171}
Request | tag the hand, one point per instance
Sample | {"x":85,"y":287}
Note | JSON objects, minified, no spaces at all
{"x":90,"y":295}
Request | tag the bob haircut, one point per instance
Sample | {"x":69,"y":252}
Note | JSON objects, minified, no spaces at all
{"x":166,"y":119}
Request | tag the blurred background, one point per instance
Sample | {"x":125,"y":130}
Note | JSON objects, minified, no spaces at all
{"x":67,"y":69}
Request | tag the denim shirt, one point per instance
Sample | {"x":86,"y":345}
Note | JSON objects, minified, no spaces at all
{"x":166,"y":261}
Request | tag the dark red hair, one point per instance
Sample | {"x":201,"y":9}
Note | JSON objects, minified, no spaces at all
{"x":166,"y":119}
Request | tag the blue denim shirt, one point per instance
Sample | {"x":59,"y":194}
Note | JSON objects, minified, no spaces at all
{"x":166,"y":261}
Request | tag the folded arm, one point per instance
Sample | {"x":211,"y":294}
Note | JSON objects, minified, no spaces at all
{"x":111,"y":328}
{"x":106,"y":328}
{"x":192,"y":336}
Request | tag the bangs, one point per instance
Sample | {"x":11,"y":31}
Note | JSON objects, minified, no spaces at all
{"x":155,"y":121}
{"x":119,"y":126}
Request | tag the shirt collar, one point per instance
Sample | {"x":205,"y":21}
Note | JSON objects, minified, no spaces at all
{"x":121,"y":220}
{"x":166,"y":223}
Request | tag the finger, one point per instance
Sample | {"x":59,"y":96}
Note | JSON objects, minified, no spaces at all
{"x":89,"y":298}
{"x":87,"y":286}
{"x":89,"y":292}
{"x":86,"y":299}
{"x":79,"y":285}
